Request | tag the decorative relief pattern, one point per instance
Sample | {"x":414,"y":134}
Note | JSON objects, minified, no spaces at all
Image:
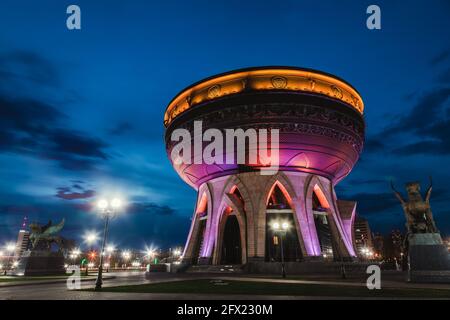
{"x":299,"y":80}
{"x":337,"y":92}
{"x":279,"y":82}
{"x":288,"y":118}
{"x":214,"y":91}
{"x":312,"y":84}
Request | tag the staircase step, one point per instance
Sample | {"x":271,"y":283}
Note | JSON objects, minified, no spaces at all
{"x":215,"y":269}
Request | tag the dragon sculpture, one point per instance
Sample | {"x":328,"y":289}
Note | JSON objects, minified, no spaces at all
{"x":43,"y":236}
{"x":419,"y":218}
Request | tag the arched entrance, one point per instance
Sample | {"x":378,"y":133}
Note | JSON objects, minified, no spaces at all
{"x":231,"y":245}
{"x":201,"y":216}
{"x":322,"y":224}
{"x":278,"y":209}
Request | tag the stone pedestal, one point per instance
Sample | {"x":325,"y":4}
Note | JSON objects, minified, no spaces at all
{"x":40,"y":263}
{"x":429,"y":259}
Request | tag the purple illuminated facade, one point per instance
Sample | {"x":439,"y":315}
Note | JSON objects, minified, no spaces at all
{"x":321,"y":126}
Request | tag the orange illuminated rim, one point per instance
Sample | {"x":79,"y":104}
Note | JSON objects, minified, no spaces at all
{"x":259,"y":79}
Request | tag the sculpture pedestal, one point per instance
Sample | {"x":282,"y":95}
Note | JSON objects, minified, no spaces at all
{"x":40,"y":263}
{"x":429,"y":259}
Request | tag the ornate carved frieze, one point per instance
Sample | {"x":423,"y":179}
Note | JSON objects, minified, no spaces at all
{"x":288,"y":118}
{"x":263,"y":79}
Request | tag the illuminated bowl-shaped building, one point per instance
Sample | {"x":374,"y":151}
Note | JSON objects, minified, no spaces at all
{"x":321,"y":135}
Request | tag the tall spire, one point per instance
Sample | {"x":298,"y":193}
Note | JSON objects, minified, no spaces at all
{"x":25,"y":221}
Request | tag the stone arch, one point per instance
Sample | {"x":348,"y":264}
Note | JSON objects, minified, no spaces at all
{"x":288,"y":190}
{"x":315,"y":184}
{"x":249,"y":213}
{"x":228,"y":207}
{"x":235,"y":182}
{"x":283,"y":182}
{"x":204,"y":201}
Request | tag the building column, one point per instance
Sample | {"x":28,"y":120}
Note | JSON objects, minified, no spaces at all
{"x":216,"y":189}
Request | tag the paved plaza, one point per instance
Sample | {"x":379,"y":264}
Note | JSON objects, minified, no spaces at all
{"x":57,"y":290}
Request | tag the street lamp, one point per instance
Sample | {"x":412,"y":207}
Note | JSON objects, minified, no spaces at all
{"x":9,"y":248}
{"x":2,"y":255}
{"x":110,"y":250}
{"x":177,"y":253}
{"x":126,"y":255}
{"x":91,"y":238}
{"x":108,"y":210}
{"x":149,"y":253}
{"x":75,"y":254}
{"x":281,"y":228}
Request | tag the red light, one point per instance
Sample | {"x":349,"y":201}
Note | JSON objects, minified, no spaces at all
{"x":92,"y":255}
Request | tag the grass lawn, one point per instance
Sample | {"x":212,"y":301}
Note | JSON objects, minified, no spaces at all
{"x":263,"y":288}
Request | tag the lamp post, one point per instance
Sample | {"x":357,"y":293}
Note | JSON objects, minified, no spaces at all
{"x":177,"y":253}
{"x":75,"y":254}
{"x":90,"y":238}
{"x":9,"y":248}
{"x":110,"y":250}
{"x":126,"y":255}
{"x":150,"y":253}
{"x":108,"y":210}
{"x":281,"y":229}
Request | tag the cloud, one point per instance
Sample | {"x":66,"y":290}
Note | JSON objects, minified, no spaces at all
{"x":27,"y":115}
{"x":367,"y":181}
{"x":34,"y":127}
{"x":370,"y":203}
{"x":73,"y":142}
{"x":424,"y":147}
{"x":68,"y":193}
{"x":19,"y":209}
{"x":121,"y":128}
{"x":444,"y":77}
{"x":384,"y":202}
{"x":77,"y":186}
{"x":26,"y":127}
{"x":423,"y":114}
{"x":441,"y":57}
{"x":428,"y":122}
{"x":374,"y":144}
{"x":437,"y":143}
{"x":150,"y":207}
{"x":143,"y":222}
{"x":20,"y":66}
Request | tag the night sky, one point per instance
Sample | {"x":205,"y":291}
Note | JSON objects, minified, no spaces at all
{"x":81,"y":112}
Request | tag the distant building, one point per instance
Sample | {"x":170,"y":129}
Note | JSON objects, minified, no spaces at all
{"x":363,"y":238}
{"x":393,"y":250}
{"x":23,"y":241}
{"x":378,"y":245}
{"x":447,"y":242}
{"x":397,"y":243}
